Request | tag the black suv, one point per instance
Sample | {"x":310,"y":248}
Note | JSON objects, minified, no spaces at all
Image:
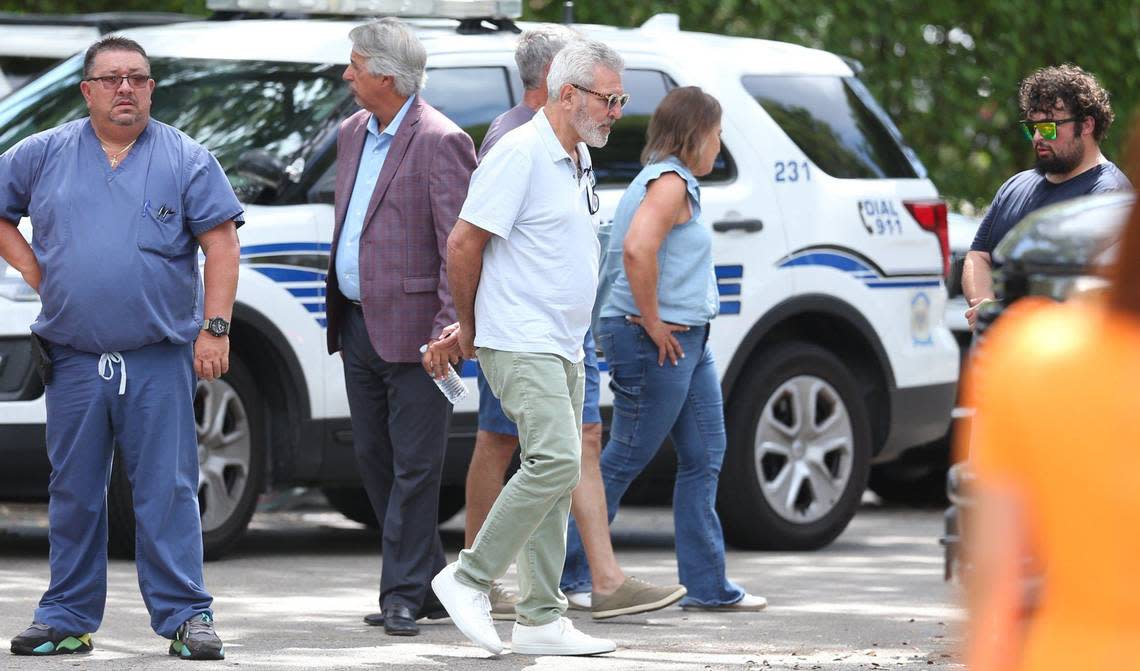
{"x":1057,"y":251}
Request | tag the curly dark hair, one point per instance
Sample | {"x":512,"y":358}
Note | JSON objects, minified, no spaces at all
{"x":1073,"y":86}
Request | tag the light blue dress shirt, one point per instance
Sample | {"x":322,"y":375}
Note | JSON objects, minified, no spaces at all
{"x":376,"y":146}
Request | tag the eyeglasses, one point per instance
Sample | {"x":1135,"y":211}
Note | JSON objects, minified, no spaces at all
{"x":612,"y":99}
{"x":1048,"y":129}
{"x":593,"y":204}
{"x":112,"y":82}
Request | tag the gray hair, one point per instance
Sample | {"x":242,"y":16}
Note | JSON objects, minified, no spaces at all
{"x":536,"y":49}
{"x":576,"y":62}
{"x":392,"y":49}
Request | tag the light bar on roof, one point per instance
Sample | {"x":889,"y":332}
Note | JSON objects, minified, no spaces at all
{"x":447,"y":9}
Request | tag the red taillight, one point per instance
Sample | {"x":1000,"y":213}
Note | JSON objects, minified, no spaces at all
{"x":931,"y":215}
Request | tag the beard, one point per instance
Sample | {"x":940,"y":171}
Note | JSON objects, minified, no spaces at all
{"x":594,"y":134}
{"x":1060,"y":161}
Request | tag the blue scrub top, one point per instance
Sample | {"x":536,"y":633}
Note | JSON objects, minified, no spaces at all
{"x":118,"y":249}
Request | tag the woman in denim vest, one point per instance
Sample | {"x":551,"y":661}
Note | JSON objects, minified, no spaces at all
{"x":658,"y":295}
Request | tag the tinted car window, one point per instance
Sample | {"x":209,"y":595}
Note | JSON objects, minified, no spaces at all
{"x":471,"y":97}
{"x":619,"y":161}
{"x":837,"y":123}
{"x":257,"y":117}
{"x":18,"y":70}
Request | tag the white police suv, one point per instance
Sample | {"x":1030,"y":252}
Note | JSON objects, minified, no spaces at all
{"x":830,"y":247}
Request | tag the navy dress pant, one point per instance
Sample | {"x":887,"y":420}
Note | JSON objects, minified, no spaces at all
{"x":399,"y":431}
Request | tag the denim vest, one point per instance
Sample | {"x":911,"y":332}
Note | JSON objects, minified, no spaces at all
{"x":686,"y":281}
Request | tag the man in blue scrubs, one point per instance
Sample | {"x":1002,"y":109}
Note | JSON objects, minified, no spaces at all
{"x":119,"y":205}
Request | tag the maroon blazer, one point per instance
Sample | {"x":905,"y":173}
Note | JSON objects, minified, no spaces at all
{"x":403,"y":247}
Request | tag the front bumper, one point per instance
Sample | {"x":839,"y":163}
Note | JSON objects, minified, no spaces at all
{"x":25,"y":471}
{"x":920,"y":415}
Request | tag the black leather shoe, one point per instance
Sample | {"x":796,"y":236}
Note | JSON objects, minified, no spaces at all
{"x":432,"y":610}
{"x":374,"y":619}
{"x":398,"y":621}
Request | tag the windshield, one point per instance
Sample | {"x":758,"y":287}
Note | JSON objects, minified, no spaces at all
{"x":15,"y":71}
{"x":256,"y":111}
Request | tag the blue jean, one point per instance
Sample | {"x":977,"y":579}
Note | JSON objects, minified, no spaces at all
{"x":651,"y":402}
{"x":153,"y":423}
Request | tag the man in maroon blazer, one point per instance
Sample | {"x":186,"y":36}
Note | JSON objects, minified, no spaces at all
{"x":402,"y":173}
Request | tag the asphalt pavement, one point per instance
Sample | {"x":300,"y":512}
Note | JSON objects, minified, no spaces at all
{"x":292,"y":594}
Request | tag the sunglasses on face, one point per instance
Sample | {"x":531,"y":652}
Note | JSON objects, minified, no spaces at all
{"x":112,"y":82}
{"x":613,"y":100}
{"x":1047,"y":128}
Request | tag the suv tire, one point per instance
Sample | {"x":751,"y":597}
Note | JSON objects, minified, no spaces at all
{"x":917,"y":478}
{"x":786,"y":484}
{"x":353,"y":503}
{"x":229,"y":418}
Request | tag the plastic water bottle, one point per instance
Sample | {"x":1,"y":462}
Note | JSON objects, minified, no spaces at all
{"x":452,"y":386}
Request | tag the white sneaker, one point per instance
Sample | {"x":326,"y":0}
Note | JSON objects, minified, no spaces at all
{"x":557,"y":638}
{"x":580,"y":600}
{"x":469,"y":609}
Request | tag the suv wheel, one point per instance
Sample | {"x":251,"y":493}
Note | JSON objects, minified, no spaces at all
{"x":228,"y":414}
{"x":798,"y":453}
{"x":353,"y":503}
{"x":917,"y":478}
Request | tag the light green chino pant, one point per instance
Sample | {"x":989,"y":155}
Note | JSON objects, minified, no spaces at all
{"x":542,"y":394}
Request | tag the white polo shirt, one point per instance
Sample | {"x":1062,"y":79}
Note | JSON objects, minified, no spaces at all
{"x":540,"y":270}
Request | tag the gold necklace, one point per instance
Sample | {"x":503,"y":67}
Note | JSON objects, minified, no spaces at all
{"x":115,"y":157}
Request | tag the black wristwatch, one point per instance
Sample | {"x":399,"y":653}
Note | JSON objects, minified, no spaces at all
{"x":217,"y":326}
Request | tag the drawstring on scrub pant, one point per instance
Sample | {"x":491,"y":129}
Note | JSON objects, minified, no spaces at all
{"x":107,"y":363}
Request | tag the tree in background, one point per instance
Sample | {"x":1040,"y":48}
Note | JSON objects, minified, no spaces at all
{"x":947,"y":72}
{"x":84,"y":6}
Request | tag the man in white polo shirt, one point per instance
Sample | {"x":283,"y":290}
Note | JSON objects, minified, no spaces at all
{"x":523,"y":270}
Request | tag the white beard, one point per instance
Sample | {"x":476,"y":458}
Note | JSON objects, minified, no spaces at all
{"x":594,"y":134}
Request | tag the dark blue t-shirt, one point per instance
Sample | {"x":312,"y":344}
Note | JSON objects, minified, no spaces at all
{"x":118,"y":249}
{"x":1028,"y":191}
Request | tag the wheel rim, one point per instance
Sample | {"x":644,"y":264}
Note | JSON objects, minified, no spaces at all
{"x":224,"y":446}
{"x":804,"y":449}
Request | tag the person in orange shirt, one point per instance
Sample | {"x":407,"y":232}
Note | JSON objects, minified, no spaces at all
{"x":1056,"y":451}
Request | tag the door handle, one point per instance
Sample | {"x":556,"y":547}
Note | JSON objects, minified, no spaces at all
{"x":746,"y":225}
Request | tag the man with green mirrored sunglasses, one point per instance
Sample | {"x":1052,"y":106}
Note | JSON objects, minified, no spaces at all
{"x":1065,"y":115}
{"x":1047,"y":129}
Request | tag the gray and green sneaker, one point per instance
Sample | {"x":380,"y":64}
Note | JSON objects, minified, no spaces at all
{"x":40,"y":639}
{"x":196,"y":639}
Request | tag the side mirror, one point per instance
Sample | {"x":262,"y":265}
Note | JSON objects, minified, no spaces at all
{"x":256,"y":176}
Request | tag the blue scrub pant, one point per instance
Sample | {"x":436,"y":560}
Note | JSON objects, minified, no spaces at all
{"x":153,"y":424}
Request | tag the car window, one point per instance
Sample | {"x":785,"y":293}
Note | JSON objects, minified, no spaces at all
{"x":837,"y":124}
{"x":619,"y":161}
{"x":471,"y":97}
{"x":257,"y":117}
{"x":15,"y":71}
